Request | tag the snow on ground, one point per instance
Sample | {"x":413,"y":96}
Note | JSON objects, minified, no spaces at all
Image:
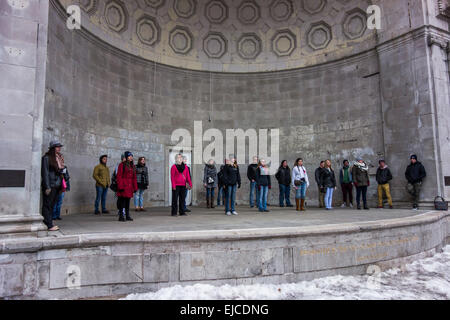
{"x":427,"y":278}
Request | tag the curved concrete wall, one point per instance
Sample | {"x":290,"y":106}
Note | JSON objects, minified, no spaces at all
{"x":100,"y":101}
{"x":116,"y":264}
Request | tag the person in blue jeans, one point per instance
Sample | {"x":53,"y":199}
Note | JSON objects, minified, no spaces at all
{"x":328,"y":181}
{"x":254,"y":190}
{"x":103,"y":181}
{"x":232,"y":179}
{"x":283,"y":176}
{"x":264,"y":184}
{"x":60,"y":199}
{"x":300,"y":182}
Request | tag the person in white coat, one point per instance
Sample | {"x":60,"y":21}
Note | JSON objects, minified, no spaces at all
{"x":300,"y":182}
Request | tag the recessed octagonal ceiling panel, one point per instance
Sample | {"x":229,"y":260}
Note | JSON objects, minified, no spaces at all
{"x":231,"y":35}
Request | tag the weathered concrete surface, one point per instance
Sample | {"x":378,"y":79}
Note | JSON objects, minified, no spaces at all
{"x":120,"y":263}
{"x":23,"y":52}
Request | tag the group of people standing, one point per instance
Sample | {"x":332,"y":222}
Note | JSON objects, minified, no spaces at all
{"x":130,"y":181}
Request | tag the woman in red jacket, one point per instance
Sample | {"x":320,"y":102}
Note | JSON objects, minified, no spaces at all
{"x":181,"y":179}
{"x":126,"y":186}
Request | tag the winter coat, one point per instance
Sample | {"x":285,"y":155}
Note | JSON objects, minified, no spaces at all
{"x":327,"y":178}
{"x":66,"y":177}
{"x":299,"y":173}
{"x":317,"y":174}
{"x":142,"y":176}
{"x":126,"y":181}
{"x":101,"y":176}
{"x":415,"y":172}
{"x":179,"y":179}
{"x":251,"y":172}
{"x":383,"y":175}
{"x":283,"y":176}
{"x":210,"y":172}
{"x":220,"y":180}
{"x":360,"y":176}
{"x":231,"y":175}
{"x":51,"y":177}
{"x":341,"y":176}
{"x":263,"y":180}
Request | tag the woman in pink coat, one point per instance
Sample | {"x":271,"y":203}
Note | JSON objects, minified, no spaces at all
{"x":181,"y":179}
{"x":126,"y":186}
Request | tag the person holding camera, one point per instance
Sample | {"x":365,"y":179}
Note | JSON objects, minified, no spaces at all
{"x":300,"y":182}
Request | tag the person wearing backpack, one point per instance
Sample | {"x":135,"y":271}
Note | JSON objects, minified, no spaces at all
{"x":102,"y":179}
{"x":210,"y":182}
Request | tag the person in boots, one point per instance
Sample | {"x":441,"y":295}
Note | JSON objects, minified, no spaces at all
{"x":415,"y":173}
{"x":300,"y":182}
{"x":126,"y":186}
{"x":383,"y":177}
{"x":360,"y":173}
{"x":102,"y":179}
{"x":232,"y":180}
{"x":321,"y":189}
{"x":181,"y":180}
{"x":210,"y":182}
{"x":142,"y":181}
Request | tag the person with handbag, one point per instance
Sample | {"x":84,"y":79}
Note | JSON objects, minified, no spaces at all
{"x":181,"y":181}
{"x":300,"y":182}
{"x":415,"y":173}
{"x":210,"y":182}
{"x":52,"y":175}
{"x":360,"y":174}
{"x":264,"y":184}
{"x":232,"y":180}
{"x":143,"y":182}
{"x":328,"y":181}
{"x":126,"y":186}
{"x":102,"y":179}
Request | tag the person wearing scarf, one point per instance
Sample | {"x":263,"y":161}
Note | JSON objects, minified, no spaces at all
{"x":126,"y":186}
{"x":264,"y":184}
{"x":180,"y":178}
{"x":360,"y":174}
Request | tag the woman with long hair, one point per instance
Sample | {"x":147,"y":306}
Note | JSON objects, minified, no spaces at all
{"x":264,"y":184}
{"x":142,"y":182}
{"x":126,"y":186}
{"x":328,"y":181}
{"x":283,"y":176}
{"x":52,"y":174}
{"x":300,"y":182}
{"x":232,"y":180}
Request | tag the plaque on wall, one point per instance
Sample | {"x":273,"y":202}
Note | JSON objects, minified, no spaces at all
{"x":447,"y":181}
{"x":12,"y":178}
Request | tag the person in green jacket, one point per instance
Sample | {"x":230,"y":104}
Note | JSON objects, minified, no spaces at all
{"x":102,"y":179}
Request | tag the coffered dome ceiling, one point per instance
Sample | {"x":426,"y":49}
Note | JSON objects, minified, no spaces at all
{"x":231,"y":35}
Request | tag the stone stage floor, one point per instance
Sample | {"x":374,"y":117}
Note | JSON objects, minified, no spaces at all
{"x":159,"y":219}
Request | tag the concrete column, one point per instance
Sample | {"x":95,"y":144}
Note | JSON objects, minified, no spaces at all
{"x":23,"y":53}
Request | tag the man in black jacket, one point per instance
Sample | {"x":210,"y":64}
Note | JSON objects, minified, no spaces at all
{"x":415,"y":173}
{"x":383,"y":177}
{"x":251,"y":175}
{"x":317,"y":174}
{"x":283,"y":177}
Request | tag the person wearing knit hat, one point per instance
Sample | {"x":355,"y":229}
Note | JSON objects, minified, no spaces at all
{"x":415,"y":173}
{"x":360,"y":174}
{"x":126,"y":186}
{"x":383,"y":177}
